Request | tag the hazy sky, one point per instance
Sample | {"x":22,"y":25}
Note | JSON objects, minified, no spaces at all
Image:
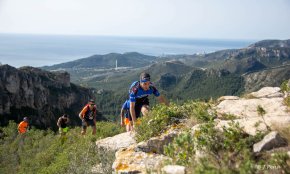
{"x":224,"y":19}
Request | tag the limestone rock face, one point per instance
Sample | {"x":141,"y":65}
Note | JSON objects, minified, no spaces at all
{"x":107,"y":147}
{"x":130,"y":161}
{"x":40,"y":95}
{"x":248,"y":116}
{"x":252,"y":125}
{"x":228,"y":98}
{"x":267,"y":92}
{"x":248,"y":107}
{"x":270,"y":141}
{"x":127,"y":158}
{"x":174,"y":169}
{"x":147,"y":155}
{"x":156,"y":144}
{"x":117,"y":142}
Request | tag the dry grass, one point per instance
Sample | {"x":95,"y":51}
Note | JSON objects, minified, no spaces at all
{"x":287,"y":102}
{"x":284,"y":131}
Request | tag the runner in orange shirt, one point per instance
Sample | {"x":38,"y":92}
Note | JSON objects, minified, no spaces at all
{"x":23,"y":126}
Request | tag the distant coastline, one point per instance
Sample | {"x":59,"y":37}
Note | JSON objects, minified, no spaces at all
{"x":39,"y":50}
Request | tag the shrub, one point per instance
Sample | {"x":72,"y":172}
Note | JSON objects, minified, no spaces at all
{"x":228,"y":117}
{"x":284,"y":86}
{"x":280,"y":161}
{"x":181,"y":150}
{"x":287,"y":101}
{"x":260,"y":110}
{"x":40,"y":151}
{"x":161,"y":116}
{"x":226,"y":151}
{"x":157,"y":121}
{"x":199,"y":111}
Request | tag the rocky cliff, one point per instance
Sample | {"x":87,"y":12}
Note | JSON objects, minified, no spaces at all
{"x":40,"y":95}
{"x":268,"y":77}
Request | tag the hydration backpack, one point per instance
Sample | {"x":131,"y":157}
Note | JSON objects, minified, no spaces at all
{"x":134,"y":87}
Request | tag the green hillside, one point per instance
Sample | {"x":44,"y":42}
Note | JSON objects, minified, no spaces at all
{"x":182,"y":77}
{"x":131,"y":59}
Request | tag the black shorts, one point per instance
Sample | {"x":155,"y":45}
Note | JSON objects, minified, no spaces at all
{"x":128,"y":115}
{"x":140,"y":102}
{"x":86,"y":123}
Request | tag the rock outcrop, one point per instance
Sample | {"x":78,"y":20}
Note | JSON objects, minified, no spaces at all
{"x":247,"y":114}
{"x":129,"y":161}
{"x":116,"y":142}
{"x":268,"y":77}
{"x":131,"y":157}
{"x":40,"y":95}
{"x":270,"y":141}
{"x":173,"y":169}
{"x":148,"y":156}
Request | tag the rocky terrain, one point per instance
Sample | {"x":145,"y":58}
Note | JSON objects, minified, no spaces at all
{"x":267,"y":77}
{"x":147,"y":156}
{"x":40,"y":95}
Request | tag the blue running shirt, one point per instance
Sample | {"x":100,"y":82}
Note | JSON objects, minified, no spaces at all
{"x":126,"y":105}
{"x":137,"y":92}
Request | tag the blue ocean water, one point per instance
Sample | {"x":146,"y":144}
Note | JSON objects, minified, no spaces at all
{"x":39,"y":50}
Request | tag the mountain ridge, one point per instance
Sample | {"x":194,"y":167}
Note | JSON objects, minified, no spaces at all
{"x":130,"y":59}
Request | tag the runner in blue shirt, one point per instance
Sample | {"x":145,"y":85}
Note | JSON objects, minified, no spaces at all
{"x":126,"y":118}
{"x":139,"y":92}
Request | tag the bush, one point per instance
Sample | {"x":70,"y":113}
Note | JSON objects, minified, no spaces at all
{"x":157,"y":121}
{"x":40,"y":151}
{"x":161,"y":116}
{"x":284,"y":86}
{"x":181,"y":150}
{"x":287,"y":101}
{"x":198,"y":111}
{"x":225,"y":151}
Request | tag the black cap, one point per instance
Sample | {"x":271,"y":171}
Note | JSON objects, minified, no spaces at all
{"x":65,"y":115}
{"x":144,"y":77}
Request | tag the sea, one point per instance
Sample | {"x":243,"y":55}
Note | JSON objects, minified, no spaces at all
{"x":43,"y":50}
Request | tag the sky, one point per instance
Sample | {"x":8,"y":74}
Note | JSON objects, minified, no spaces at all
{"x":213,"y":19}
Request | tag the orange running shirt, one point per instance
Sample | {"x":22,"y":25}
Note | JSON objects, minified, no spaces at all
{"x":22,"y":127}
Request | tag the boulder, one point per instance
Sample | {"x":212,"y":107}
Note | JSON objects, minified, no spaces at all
{"x":148,"y":155}
{"x":247,"y":114}
{"x":270,"y":141}
{"x":228,"y":98}
{"x":130,"y":161}
{"x":107,"y":148}
{"x":156,"y":144}
{"x":248,"y":107}
{"x":253,"y":125}
{"x":267,"y":92}
{"x":116,"y":142}
{"x":173,"y":169}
